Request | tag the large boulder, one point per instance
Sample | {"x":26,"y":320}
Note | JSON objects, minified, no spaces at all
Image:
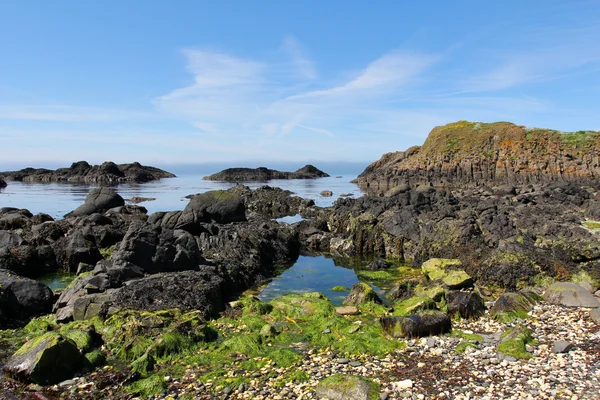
{"x":154,"y":249}
{"x":45,"y":360}
{"x":466,"y":304}
{"x":361,"y":293}
{"x":448,"y":271}
{"x":98,"y":200}
{"x":77,"y":247}
{"x":22,"y":298}
{"x":187,"y":290}
{"x":513,"y":304}
{"x":571,"y":295}
{"x":219,"y":205}
{"x":2,"y":183}
{"x":423,"y":323}
{"x":344,"y":387}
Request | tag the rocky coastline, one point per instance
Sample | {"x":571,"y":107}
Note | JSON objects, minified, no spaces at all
{"x":478,"y":154}
{"x":262,"y":174}
{"x":81,"y":171}
{"x":494,"y":287}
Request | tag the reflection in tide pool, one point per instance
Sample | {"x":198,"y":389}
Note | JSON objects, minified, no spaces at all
{"x":57,"y":280}
{"x":292,"y":219}
{"x":313,"y":274}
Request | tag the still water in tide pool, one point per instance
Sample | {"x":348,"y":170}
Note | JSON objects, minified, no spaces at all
{"x":57,"y":280}
{"x":57,"y":199}
{"x":314,"y":274}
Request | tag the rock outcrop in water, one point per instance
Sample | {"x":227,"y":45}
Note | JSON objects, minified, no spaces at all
{"x":81,"y":171}
{"x":264,"y":174}
{"x":474,"y":154}
{"x":3,"y":183}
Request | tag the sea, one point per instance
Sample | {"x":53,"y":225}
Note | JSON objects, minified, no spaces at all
{"x":59,"y":198}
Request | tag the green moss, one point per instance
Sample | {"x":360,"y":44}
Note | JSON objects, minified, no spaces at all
{"x":514,"y":341}
{"x":435,"y":268}
{"x":302,"y":305}
{"x":107,"y":252}
{"x":253,"y":323}
{"x":511,"y":316}
{"x":466,"y":336}
{"x":340,"y":289}
{"x":143,"y":364}
{"x":96,"y":358}
{"x":410,"y":306}
{"x":284,"y":358}
{"x":296,"y":376}
{"x":40,"y":325}
{"x":222,"y":194}
{"x":251,"y":305}
{"x":462,"y":347}
{"x":82,"y":339}
{"x":150,"y":386}
{"x":171,"y":344}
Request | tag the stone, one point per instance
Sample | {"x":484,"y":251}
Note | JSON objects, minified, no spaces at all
{"x":344,"y":387}
{"x":403,"y":385}
{"x":48,"y":359}
{"x":457,"y":279}
{"x":218,"y":205}
{"x":468,"y":305}
{"x":513,"y":303}
{"x":571,"y":295}
{"x":378,"y":265}
{"x":435,"y":268}
{"x":98,"y":200}
{"x":421,"y":324}
{"x":326,"y":193}
{"x":595,"y":315}
{"x":22,"y":298}
{"x":361,"y":293}
{"x":347,"y":310}
{"x":562,"y":346}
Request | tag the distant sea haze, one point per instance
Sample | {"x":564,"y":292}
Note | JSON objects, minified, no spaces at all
{"x":57,"y":199}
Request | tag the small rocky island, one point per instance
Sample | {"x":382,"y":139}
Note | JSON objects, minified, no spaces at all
{"x":491,"y":284}
{"x":264,"y":174}
{"x":81,"y":171}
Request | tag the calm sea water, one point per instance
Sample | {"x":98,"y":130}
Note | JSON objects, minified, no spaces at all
{"x":57,"y":199}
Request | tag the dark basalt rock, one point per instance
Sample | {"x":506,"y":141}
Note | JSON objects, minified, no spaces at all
{"x":514,"y":303}
{"x":3,"y":183}
{"x":188,"y":290}
{"x":264,"y":174}
{"x":499,"y":154}
{"x":361,"y":293}
{"x":219,"y":206}
{"x":22,"y":298}
{"x":81,"y":171}
{"x":45,"y":360}
{"x":378,"y":265}
{"x":423,"y":323}
{"x":467,"y":304}
{"x":500,"y":240}
{"x":98,"y":200}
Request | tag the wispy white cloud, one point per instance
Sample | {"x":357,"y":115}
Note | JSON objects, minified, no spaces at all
{"x":299,"y":58}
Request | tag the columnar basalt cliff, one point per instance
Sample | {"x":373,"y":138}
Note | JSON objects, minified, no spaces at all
{"x":82,"y":171}
{"x":473,"y":154}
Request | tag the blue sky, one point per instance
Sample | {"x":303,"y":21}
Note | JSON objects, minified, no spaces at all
{"x":259,"y":81}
